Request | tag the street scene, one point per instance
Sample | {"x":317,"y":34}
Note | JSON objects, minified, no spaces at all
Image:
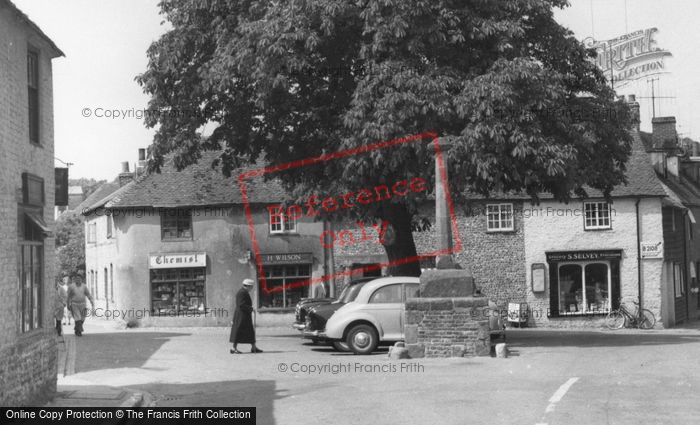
{"x":349,"y":211}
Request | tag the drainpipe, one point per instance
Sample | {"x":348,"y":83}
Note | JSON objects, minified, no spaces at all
{"x":639,"y":256}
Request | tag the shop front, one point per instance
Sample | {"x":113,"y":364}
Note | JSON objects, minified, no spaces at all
{"x":583,"y":283}
{"x":178,"y":283}
{"x":286,"y":280}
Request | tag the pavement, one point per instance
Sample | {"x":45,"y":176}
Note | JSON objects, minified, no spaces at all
{"x":551,"y":377}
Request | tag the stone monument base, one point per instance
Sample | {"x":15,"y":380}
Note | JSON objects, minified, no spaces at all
{"x":447,"y":327}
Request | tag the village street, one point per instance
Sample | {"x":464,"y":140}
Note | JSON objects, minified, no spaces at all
{"x":552,"y":376}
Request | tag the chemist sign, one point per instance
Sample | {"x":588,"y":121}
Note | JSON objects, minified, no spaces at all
{"x":629,"y":57}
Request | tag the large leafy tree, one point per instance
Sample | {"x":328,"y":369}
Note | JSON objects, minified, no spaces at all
{"x":70,"y":244}
{"x":291,"y":79}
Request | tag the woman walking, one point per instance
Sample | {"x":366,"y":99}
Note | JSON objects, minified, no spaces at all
{"x":77,"y":294}
{"x":242,"y":331}
{"x":60,"y":300}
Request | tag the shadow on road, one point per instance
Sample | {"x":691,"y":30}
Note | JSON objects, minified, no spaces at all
{"x":260,"y":394}
{"x":93,"y":349}
{"x":569,"y":338}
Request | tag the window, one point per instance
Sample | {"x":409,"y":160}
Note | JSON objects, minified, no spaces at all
{"x":33,"y":92}
{"x":281,"y":222}
{"x":596,"y":215}
{"x":678,"y":280}
{"x":286,"y":285}
{"x":176,"y":224}
{"x":499,"y":217}
{"x":111,"y":283}
{"x":30,"y":273}
{"x":389,"y":294}
{"x":109,"y":226}
{"x":411,"y":291}
{"x":92,"y":233}
{"x":178,"y":290}
{"x":106,"y":277}
{"x":584,"y":288}
{"x":32,"y":190}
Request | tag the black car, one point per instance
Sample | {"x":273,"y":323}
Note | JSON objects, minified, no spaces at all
{"x":318,"y":315}
{"x":303,"y":306}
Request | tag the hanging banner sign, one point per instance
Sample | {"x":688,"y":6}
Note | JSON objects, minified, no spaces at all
{"x":629,"y":57}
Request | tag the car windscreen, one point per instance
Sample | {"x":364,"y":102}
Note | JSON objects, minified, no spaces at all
{"x":350,"y":293}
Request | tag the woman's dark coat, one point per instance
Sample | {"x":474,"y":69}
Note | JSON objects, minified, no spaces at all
{"x":242,"y":331}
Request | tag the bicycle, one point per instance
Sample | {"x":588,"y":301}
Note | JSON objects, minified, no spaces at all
{"x":642,"y":318}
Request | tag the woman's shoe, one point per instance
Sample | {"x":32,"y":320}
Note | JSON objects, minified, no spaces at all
{"x":256,"y":350}
{"x":233,"y":351}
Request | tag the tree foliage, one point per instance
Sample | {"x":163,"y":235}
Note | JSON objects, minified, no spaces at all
{"x":70,"y":244}
{"x":514,"y":90}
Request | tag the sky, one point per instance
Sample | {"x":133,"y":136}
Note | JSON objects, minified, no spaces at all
{"x":105,"y":43}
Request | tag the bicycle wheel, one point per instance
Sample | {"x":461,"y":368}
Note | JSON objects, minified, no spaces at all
{"x":647,"y":319}
{"x":615,"y":320}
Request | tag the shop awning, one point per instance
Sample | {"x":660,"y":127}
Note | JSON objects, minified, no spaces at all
{"x":39,"y":222}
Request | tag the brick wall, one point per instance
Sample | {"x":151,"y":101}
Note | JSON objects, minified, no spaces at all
{"x":27,"y":360}
{"x":447,"y":327}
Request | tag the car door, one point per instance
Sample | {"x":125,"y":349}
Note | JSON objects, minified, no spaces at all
{"x":410,"y":290}
{"x":386,"y":306}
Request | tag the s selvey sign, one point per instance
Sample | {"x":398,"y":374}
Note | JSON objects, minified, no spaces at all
{"x":631,"y":56}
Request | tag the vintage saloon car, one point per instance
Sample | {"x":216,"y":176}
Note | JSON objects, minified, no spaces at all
{"x":376,"y":315}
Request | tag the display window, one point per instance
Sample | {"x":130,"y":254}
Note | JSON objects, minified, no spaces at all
{"x":278,"y":278}
{"x":584,"y":287}
{"x":178,"y":290}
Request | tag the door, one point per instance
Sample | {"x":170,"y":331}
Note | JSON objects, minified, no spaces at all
{"x":386,"y":306}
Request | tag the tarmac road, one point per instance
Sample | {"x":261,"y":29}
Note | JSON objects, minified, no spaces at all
{"x":552,"y":377}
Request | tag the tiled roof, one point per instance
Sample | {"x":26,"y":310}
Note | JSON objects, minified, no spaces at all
{"x":196,"y":185}
{"x":102,"y":192}
{"x":683,"y":189}
{"x":641,"y":179}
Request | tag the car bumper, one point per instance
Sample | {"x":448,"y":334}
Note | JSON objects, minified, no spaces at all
{"x":319,"y":335}
{"x":299,"y":326}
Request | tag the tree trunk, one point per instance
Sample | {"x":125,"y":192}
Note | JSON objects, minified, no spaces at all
{"x":398,"y":240}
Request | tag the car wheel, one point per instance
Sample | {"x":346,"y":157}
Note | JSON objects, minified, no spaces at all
{"x":362,"y":339}
{"x":341,"y":347}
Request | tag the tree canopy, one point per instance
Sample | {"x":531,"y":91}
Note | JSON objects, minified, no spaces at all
{"x":525,"y":108}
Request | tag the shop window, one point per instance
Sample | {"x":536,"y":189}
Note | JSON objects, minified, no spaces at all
{"x":32,"y":190}
{"x":176,"y":224}
{"x":281,"y":222}
{"x":499,"y":217}
{"x":30,"y":270}
{"x":33,"y":93}
{"x":286,"y":285}
{"x":177,"y":291}
{"x":584,"y":288}
{"x":596,"y":215}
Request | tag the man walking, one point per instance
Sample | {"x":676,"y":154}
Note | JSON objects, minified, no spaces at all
{"x":77,"y":295}
{"x":242,"y":330}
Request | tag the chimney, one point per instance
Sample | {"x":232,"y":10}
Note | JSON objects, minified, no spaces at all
{"x":634,"y":108}
{"x":141,"y":164}
{"x":125,"y":176}
{"x":664,"y":134}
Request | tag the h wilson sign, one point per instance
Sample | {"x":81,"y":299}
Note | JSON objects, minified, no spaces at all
{"x":629,"y":57}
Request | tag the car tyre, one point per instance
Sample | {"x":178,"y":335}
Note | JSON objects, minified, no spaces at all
{"x":362,"y":339}
{"x":341,"y":346}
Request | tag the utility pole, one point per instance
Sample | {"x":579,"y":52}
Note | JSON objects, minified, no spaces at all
{"x":654,"y":96}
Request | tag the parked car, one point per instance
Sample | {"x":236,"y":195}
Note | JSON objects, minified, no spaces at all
{"x":302,"y":308}
{"x":375,"y":316}
{"x":319,"y":314}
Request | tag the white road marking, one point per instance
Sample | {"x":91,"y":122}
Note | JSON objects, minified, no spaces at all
{"x":558,"y":395}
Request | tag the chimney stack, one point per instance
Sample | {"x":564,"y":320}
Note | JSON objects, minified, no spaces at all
{"x":663,"y":134}
{"x":634,"y":108}
{"x":125,"y":176}
{"x":141,"y":164}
